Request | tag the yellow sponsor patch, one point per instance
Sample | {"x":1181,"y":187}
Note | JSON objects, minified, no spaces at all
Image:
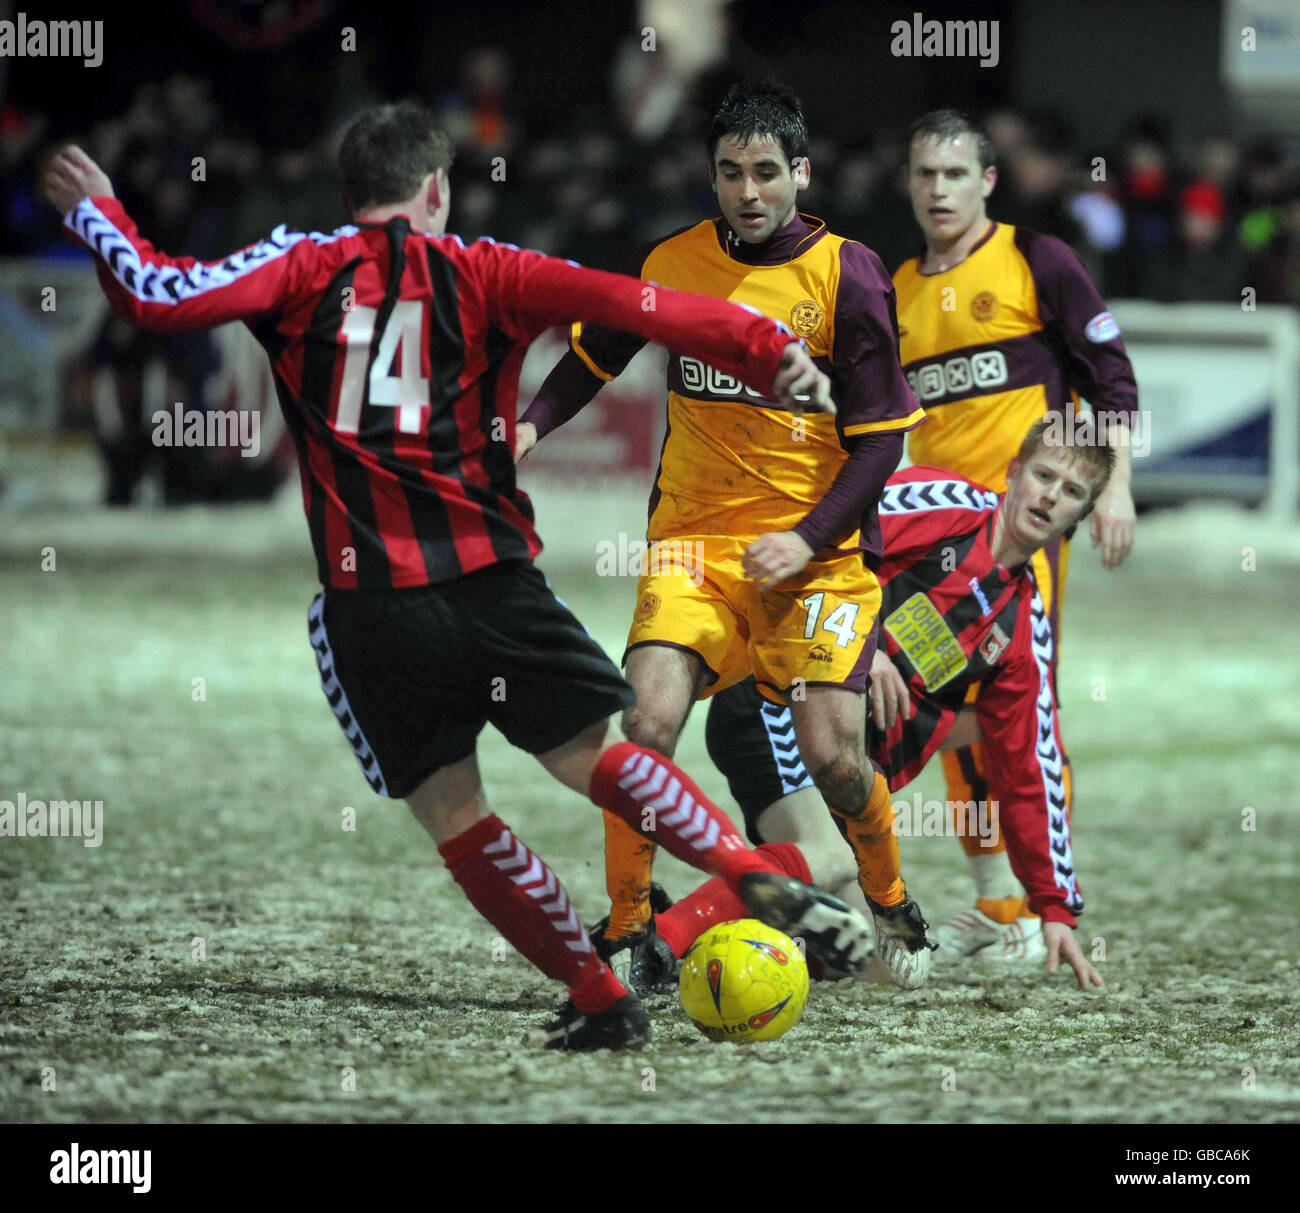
{"x":928,"y":641}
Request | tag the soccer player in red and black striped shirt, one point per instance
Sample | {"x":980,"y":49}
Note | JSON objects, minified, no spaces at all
{"x":960,"y":610}
{"x":396,"y":353}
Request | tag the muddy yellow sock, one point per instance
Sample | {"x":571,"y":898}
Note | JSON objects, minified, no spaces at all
{"x":875,"y":844}
{"x":629,"y":862}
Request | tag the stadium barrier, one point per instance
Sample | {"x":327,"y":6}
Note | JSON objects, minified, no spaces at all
{"x":1219,"y":390}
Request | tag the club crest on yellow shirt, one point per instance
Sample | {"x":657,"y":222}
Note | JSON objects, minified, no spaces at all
{"x":984,"y":306}
{"x":806,"y":317}
{"x":647,"y":608}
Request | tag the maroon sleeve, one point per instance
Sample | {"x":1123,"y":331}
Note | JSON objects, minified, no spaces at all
{"x":870,"y":392}
{"x":1086,"y":334}
{"x":565,"y":392}
{"x":875,"y":406}
{"x":604,"y":351}
{"x":526,"y":293}
{"x":1016,"y":709}
{"x":872,"y":459}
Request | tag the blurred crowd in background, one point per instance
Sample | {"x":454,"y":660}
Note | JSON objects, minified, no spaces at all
{"x":1163,"y":215}
{"x":579,"y":132}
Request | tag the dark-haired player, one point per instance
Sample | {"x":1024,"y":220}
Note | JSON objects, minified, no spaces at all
{"x":396,"y":353}
{"x":966,"y":651}
{"x":1000,"y":325}
{"x":777,"y":511}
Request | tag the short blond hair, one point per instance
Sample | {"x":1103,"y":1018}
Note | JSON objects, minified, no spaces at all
{"x":1097,"y":458}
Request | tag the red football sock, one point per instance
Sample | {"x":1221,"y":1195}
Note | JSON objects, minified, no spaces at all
{"x":520,"y":896}
{"x":658,"y":799}
{"x":714,"y":902}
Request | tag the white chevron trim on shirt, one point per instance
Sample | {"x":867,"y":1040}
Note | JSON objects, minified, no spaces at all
{"x":1051,"y":762}
{"x":166,"y":284}
{"x":919,"y":496}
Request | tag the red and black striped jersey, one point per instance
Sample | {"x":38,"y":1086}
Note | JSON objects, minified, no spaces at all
{"x":396,"y":356}
{"x":950,"y":617}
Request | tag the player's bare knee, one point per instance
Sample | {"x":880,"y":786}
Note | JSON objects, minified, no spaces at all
{"x":449,"y":801}
{"x":843,"y":784}
{"x":649,"y":729}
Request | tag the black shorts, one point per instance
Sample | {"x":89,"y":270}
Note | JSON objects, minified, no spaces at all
{"x":413,"y":675}
{"x":751,"y":741}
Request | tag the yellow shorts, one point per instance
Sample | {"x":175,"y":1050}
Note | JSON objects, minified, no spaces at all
{"x":818,"y":627}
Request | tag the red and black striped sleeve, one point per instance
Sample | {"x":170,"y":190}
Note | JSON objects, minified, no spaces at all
{"x":922,"y":506}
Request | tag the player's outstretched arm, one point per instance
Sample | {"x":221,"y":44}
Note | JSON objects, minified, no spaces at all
{"x":525,"y":439}
{"x":1022,"y":742}
{"x":528,"y":293}
{"x":573,"y":383}
{"x":147,"y":287}
{"x":799,"y":385}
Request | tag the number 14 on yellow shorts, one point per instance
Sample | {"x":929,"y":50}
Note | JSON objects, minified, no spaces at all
{"x":818,"y":628}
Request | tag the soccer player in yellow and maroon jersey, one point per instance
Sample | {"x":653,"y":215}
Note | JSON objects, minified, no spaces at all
{"x":999,"y":326}
{"x":965,"y":653}
{"x":775,"y":513}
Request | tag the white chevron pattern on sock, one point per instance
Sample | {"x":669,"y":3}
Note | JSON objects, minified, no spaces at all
{"x":650,"y":782}
{"x":529,"y":873}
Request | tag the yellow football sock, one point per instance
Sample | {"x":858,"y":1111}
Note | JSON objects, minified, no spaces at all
{"x":1000,"y":909}
{"x":875,"y":844}
{"x":629,"y":861}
